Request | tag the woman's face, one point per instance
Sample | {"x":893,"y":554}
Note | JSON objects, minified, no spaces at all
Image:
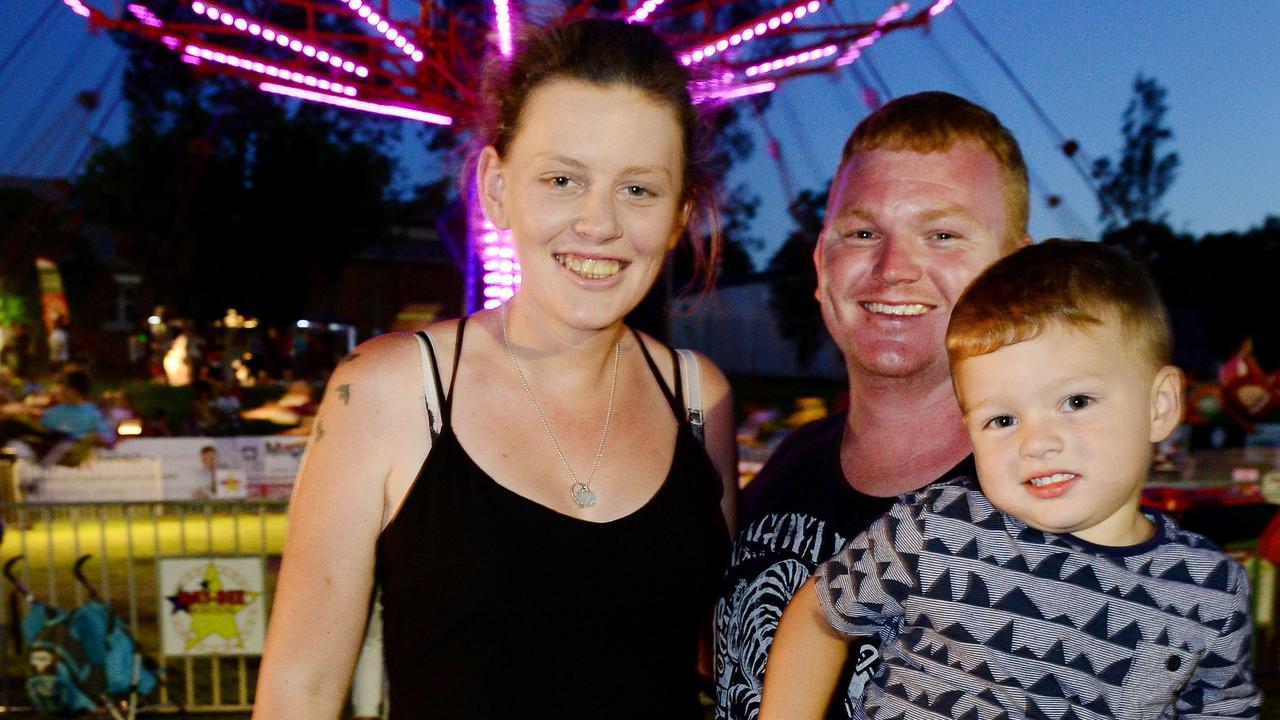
{"x":590,"y":188}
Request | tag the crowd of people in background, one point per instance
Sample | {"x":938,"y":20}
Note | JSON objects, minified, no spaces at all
{"x":182,"y":378}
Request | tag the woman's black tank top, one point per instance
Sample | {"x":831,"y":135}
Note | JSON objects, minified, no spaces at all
{"x":495,"y":606}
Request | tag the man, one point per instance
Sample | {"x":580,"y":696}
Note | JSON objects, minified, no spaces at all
{"x":930,"y":190}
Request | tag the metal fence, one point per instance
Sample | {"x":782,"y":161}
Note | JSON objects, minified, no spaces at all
{"x":125,"y":539}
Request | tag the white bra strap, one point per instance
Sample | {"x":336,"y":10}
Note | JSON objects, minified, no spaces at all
{"x":430,"y":388}
{"x":692,"y":390}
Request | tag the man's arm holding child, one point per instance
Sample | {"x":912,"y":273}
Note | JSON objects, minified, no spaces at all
{"x":804,"y":662}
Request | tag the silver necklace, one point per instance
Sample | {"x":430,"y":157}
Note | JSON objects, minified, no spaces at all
{"x":581,"y":492}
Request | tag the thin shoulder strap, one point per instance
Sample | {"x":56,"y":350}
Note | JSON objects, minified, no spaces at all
{"x":687,"y":368}
{"x":457,"y":355}
{"x":671,"y":399}
{"x":430,"y":377}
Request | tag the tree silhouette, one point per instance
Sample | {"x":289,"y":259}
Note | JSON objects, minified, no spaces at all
{"x":794,"y":278}
{"x":1131,"y":186}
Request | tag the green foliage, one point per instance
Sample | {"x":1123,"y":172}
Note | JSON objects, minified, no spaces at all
{"x":1220,"y":288}
{"x":13,"y":310}
{"x":1131,"y":186}
{"x":224,"y":196}
{"x":155,"y":402}
{"x":794,"y":278}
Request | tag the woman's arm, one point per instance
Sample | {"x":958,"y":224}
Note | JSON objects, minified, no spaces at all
{"x":804,"y":661}
{"x":366,"y":421}
{"x":720,"y":435}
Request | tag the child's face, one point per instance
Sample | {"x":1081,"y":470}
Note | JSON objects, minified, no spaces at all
{"x":1062,"y":427}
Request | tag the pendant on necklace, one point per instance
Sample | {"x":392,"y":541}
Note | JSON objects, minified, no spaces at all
{"x":582,"y":495}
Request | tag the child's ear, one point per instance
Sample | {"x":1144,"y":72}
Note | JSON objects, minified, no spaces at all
{"x":489,"y":185}
{"x":1166,"y":402}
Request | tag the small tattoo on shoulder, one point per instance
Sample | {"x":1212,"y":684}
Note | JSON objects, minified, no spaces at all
{"x":319,"y":430}
{"x":344,"y":393}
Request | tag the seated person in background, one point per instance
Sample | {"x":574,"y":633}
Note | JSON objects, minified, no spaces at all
{"x":1044,"y":589}
{"x":76,"y":415}
{"x":68,"y":430}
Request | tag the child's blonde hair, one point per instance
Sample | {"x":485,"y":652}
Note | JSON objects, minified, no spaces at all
{"x":1072,"y":282}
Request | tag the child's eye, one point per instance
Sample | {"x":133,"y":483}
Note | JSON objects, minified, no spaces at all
{"x":1001,"y":421}
{"x":1076,"y":402}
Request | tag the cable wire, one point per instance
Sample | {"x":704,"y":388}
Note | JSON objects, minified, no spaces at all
{"x":1039,"y":111}
{"x":28,"y":35}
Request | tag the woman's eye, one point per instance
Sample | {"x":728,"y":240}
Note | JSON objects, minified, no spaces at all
{"x":1002,"y":421}
{"x":1076,"y":402}
{"x":638,"y":191}
{"x":560,"y":181}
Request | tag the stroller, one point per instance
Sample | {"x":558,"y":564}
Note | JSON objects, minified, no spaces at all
{"x":81,"y":659}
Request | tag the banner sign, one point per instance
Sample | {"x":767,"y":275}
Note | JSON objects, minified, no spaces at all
{"x":213,"y":605}
{"x":220,"y":467}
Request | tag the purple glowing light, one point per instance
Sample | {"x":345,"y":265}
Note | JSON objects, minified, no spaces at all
{"x":144,"y":15}
{"x":751,"y":30}
{"x":262,"y":68}
{"x":939,"y":6}
{"x":385,"y":28}
{"x":817,"y":52}
{"x":895,"y":12}
{"x":371,"y":107}
{"x":502,"y":20}
{"x":733,"y":93}
{"x":854,"y":51}
{"x":270,"y":34}
{"x":643,"y":12}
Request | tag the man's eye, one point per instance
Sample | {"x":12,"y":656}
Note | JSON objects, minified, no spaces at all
{"x":944,"y":236}
{"x":1002,"y":421}
{"x":1076,"y":402}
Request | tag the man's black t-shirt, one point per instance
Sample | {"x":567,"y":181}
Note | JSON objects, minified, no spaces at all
{"x":798,"y":512}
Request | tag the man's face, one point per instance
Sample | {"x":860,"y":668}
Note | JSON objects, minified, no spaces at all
{"x":905,"y":233}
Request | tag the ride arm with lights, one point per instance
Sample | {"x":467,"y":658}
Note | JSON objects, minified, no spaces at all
{"x":338,"y":508}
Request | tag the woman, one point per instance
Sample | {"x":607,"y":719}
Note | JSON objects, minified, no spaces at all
{"x":557,"y":552}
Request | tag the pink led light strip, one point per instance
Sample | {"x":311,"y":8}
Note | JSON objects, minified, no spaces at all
{"x":77,"y":7}
{"x":144,"y":15}
{"x":739,"y":91}
{"x":501,"y":269}
{"x":372,"y":107}
{"x":748,"y":32}
{"x":279,"y":37}
{"x":643,"y":12}
{"x":854,"y":51}
{"x":817,"y":52}
{"x":502,"y":19}
{"x":262,"y":68}
{"x":393,"y":34}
